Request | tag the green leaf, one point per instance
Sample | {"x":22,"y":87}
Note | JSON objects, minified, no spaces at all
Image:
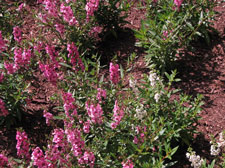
{"x":65,"y":65}
{"x":121,"y":71}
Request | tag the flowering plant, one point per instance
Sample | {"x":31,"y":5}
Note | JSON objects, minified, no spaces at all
{"x":105,"y":124}
{"x":172,"y":25}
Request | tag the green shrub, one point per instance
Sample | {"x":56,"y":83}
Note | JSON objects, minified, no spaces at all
{"x":169,"y":27}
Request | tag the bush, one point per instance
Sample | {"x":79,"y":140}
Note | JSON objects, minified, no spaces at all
{"x":172,"y":25}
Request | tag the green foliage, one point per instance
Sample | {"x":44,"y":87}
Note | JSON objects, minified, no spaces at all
{"x":168,"y":28}
{"x":14,"y":93}
{"x":161,"y":122}
{"x":111,"y":16}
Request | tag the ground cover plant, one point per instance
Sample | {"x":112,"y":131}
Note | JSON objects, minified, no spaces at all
{"x":105,"y":124}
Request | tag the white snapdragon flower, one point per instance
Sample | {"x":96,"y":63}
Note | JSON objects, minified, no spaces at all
{"x":153,"y":78}
{"x":156,"y":97}
{"x":221,"y":142}
{"x":140,"y":112}
{"x":214,"y":150}
{"x":132,"y":83}
{"x":196,"y":160}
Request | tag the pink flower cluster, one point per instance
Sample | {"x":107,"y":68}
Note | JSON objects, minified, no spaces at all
{"x":117,"y":115}
{"x":68,"y":15}
{"x":69,"y":106}
{"x":95,"y":113}
{"x":54,"y":152}
{"x":22,"y":145}
{"x":17,"y":33}
{"x":141,"y":134}
{"x":128,"y":164}
{"x":3,"y":109}
{"x":165,"y":34}
{"x":39,"y":46}
{"x":22,"y":58}
{"x":74,"y":56}
{"x":10,"y":67}
{"x":50,"y":50}
{"x":49,"y":72}
{"x":2,"y":43}
{"x":114,"y":73}
{"x":38,"y":158}
{"x":51,"y":7}
{"x":87,"y":158}
{"x":43,"y":17}
{"x":178,"y":3}
{"x":3,"y":161}
{"x":60,"y":28}
{"x":74,"y":137}
{"x":86,"y":127}
{"x":95,"y":31}
{"x":101,"y":93}
{"x":91,"y":7}
{"x":58,"y":138}
{"x":48,"y":117}
{"x":21,"y":6}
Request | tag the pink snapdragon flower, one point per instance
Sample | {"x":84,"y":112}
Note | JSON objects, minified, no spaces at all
{"x":101,"y":93}
{"x":114,"y":73}
{"x":2,"y":43}
{"x":38,"y":158}
{"x":58,"y":138}
{"x":60,"y":28}
{"x":54,"y":151}
{"x":73,"y":54}
{"x":50,"y":50}
{"x":128,"y":164}
{"x":165,"y":34}
{"x":43,"y":17}
{"x":141,"y":136}
{"x":50,"y":6}
{"x":91,"y":7}
{"x":95,"y":113}
{"x":3,"y":161}
{"x":68,"y":15}
{"x":10,"y":67}
{"x":22,"y":58}
{"x":74,"y":137}
{"x":117,"y":115}
{"x":40,"y":1}
{"x":178,"y":3}
{"x":22,"y":145}
{"x":95,"y":31}
{"x":86,"y":127}
{"x":21,"y":6}
{"x":48,"y":117}
{"x":49,"y":72}
{"x":69,"y":106}
{"x":53,"y":157}
{"x":87,"y":158}
{"x":3,"y":109}
{"x":39,"y":46}
{"x":17,"y":33}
